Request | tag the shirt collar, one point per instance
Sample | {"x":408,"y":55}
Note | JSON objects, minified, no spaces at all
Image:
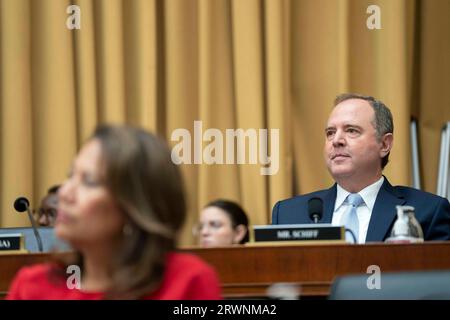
{"x":369,"y":194}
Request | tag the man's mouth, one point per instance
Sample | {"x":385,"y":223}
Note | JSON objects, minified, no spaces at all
{"x":339,"y":156}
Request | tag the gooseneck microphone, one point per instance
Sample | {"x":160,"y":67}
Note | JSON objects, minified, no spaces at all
{"x":315,"y":209}
{"x":22,"y":204}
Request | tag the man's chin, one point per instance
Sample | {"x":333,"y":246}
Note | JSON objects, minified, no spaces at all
{"x":341,"y":173}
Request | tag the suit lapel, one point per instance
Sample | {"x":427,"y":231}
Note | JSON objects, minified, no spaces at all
{"x":329,"y":199}
{"x":384,"y":212}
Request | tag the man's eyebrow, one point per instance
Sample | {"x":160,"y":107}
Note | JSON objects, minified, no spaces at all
{"x":330,"y":128}
{"x":352,"y":126}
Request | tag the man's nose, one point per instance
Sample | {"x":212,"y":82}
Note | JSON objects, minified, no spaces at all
{"x":338,"y":139}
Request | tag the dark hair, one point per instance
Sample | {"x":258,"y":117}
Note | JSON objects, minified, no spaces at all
{"x":383,"y":122}
{"x":148,"y":188}
{"x":235,"y":212}
{"x":53,"y":189}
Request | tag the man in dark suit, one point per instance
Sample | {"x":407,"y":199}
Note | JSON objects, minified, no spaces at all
{"x":358,"y":139}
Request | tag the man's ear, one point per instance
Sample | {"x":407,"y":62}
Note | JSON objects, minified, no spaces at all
{"x":387,"y":141}
{"x":239,"y":233}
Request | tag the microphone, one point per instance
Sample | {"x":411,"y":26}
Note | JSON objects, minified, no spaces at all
{"x":315,"y":209}
{"x":22,"y":204}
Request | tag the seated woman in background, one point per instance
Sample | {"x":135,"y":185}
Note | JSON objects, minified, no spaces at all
{"x":222,"y":223}
{"x":45,"y":216}
{"x":121,"y":209}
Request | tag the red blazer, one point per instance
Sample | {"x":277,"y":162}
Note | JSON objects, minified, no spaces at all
{"x":186,"y":278}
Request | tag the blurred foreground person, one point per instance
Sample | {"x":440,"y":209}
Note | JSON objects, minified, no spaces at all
{"x":121,"y":209}
{"x":222,"y":223}
{"x":45,"y":216}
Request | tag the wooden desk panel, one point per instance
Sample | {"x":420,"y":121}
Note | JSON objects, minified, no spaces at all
{"x":247,"y":271}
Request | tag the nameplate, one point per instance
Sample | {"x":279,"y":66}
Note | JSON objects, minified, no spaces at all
{"x":298,"y":232}
{"x":11,"y":242}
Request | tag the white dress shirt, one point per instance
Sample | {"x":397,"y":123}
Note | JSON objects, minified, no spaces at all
{"x":364,"y":211}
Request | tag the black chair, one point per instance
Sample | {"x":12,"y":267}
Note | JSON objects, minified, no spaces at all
{"x":424,"y":285}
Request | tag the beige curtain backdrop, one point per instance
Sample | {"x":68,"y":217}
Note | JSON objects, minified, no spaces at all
{"x":261,"y":64}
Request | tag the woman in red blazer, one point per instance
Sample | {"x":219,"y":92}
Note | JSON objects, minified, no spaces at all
{"x":121,"y":209}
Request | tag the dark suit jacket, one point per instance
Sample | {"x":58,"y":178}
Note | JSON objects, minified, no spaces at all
{"x":432,"y":212}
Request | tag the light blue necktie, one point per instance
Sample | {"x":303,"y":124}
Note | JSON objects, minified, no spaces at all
{"x":350,"y":218}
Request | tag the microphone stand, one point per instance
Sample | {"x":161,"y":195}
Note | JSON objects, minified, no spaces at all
{"x":36,"y":233}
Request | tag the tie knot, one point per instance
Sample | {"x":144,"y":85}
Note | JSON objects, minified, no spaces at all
{"x":354,"y":199}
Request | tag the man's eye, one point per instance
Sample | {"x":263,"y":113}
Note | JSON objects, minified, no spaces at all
{"x":329,"y":133}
